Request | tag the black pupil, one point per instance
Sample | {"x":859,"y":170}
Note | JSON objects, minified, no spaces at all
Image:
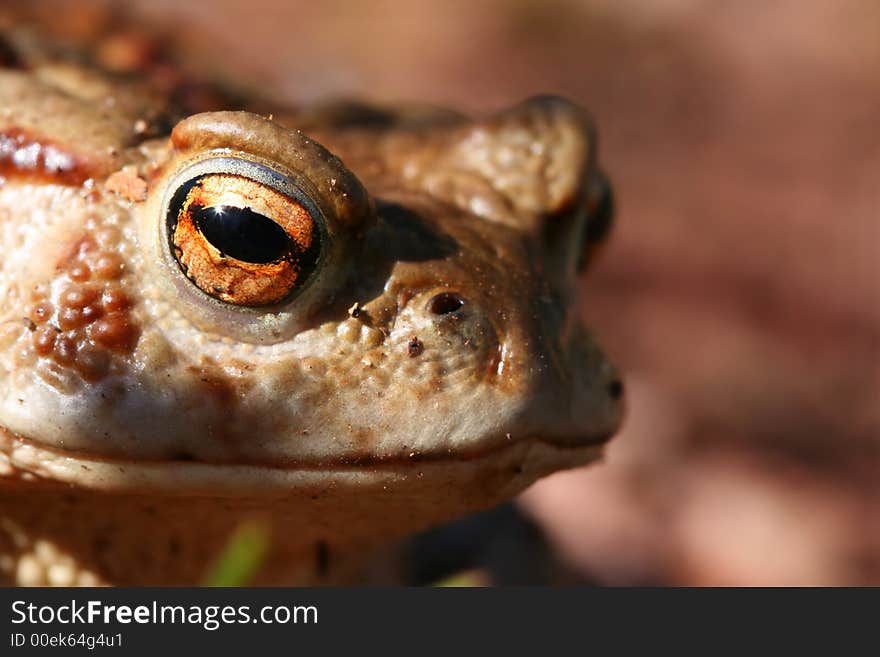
{"x":242,"y":234}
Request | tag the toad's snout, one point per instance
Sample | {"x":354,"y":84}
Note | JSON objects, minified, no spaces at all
{"x":597,"y":402}
{"x":585,"y":404}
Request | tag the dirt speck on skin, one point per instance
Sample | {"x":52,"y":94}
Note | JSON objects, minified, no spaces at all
{"x":415,"y":348}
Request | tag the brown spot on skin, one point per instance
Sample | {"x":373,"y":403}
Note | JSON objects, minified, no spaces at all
{"x":415,"y":348}
{"x":78,"y":297}
{"x":44,"y":340}
{"x":89,"y":321}
{"x":92,"y":313}
{"x":116,"y":299}
{"x":41,"y":312}
{"x":216,"y":383}
{"x":80,"y":272}
{"x":108,"y":266}
{"x":70,"y":318}
{"x":115,"y":332}
{"x":65,"y":350}
{"x":23,"y":155}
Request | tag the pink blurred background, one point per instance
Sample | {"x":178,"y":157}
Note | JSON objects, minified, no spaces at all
{"x":740,"y":293}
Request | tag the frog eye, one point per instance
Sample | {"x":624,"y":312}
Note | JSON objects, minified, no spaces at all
{"x":242,"y":233}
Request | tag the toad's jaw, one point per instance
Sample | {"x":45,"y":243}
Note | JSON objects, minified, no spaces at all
{"x":520,"y":462}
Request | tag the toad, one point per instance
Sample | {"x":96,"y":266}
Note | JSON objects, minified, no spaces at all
{"x":349,"y":323}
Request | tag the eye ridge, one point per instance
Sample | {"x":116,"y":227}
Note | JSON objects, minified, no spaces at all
{"x":243,"y":234}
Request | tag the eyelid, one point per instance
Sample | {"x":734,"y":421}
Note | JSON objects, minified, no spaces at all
{"x":224,"y":162}
{"x":345,"y":203}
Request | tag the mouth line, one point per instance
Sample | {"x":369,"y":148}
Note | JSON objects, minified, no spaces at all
{"x":342,"y":462}
{"x":49,"y":465}
{"x":372,"y":461}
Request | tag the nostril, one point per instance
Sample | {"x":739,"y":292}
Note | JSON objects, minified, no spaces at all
{"x":615,"y":389}
{"x":445,"y":303}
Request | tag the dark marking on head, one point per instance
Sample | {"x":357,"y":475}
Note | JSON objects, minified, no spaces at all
{"x":411,"y":237}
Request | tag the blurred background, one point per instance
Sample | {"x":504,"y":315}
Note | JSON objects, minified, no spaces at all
{"x":740,"y":293}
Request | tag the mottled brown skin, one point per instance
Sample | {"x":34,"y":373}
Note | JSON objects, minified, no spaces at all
{"x":429,"y":365}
